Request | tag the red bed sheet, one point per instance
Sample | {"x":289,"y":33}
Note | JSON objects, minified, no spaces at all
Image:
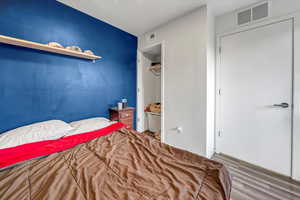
{"x":13,"y":155}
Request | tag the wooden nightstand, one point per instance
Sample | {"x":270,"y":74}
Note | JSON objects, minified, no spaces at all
{"x":125,"y":116}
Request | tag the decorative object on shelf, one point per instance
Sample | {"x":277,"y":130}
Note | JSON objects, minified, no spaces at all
{"x":89,"y":52}
{"x":45,"y":47}
{"x":155,"y":68}
{"x":55,"y":44}
{"x":74,"y":48}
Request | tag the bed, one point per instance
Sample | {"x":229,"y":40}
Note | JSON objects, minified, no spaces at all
{"x":116,"y":164}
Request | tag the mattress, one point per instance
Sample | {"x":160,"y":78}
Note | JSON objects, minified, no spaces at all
{"x":124,"y":165}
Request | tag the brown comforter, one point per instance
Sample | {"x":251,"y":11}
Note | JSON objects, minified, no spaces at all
{"x":120,"y":166}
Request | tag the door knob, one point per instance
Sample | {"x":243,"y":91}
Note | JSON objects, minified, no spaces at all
{"x":282,"y":105}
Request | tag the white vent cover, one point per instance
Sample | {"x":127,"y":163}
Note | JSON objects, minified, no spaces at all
{"x":254,"y":13}
{"x":244,"y":17}
{"x":261,"y":11}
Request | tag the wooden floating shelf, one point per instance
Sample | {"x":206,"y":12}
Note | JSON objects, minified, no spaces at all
{"x":44,"y":47}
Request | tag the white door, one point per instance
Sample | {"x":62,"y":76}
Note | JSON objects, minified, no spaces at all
{"x":255,"y":111}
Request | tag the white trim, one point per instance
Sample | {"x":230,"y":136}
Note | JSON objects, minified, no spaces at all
{"x":163,"y":65}
{"x":256,"y":25}
{"x":296,"y":79}
{"x":140,"y":91}
{"x":296,"y":114}
{"x":163,"y":59}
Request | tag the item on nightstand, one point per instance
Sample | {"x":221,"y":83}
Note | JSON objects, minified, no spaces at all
{"x":74,"y":48}
{"x":55,"y":44}
{"x":89,"y":52}
{"x":120,"y":106}
{"x":124,"y":102}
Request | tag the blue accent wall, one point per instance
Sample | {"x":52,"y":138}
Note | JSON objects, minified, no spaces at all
{"x":37,"y":86}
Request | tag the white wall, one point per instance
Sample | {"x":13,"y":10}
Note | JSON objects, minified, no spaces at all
{"x":140,"y":125}
{"x":185,"y":80}
{"x":279,"y":9}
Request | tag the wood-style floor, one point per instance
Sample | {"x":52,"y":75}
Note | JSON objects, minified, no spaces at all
{"x":152,"y":134}
{"x":254,"y":183}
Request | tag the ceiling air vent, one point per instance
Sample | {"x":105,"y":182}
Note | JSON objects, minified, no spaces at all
{"x":260,"y":11}
{"x":254,"y":13}
{"x":244,"y":17}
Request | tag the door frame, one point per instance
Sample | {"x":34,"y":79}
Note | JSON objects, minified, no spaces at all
{"x":295,"y":17}
{"x":139,"y":89}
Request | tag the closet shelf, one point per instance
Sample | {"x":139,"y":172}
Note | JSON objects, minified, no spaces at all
{"x":44,"y":47}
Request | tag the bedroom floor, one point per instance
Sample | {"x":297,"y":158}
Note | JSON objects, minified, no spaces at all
{"x":152,"y":134}
{"x":253,"y":183}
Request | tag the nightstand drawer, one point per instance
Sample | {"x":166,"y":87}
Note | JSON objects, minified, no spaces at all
{"x":127,"y":121}
{"x":126,"y":114}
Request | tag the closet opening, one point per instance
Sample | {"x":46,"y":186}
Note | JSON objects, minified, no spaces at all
{"x":150,"y":92}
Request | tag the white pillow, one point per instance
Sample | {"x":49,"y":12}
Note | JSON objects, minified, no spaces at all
{"x":48,"y":130}
{"x":87,"y":125}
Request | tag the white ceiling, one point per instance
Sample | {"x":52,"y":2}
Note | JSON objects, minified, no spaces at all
{"x":139,"y":16}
